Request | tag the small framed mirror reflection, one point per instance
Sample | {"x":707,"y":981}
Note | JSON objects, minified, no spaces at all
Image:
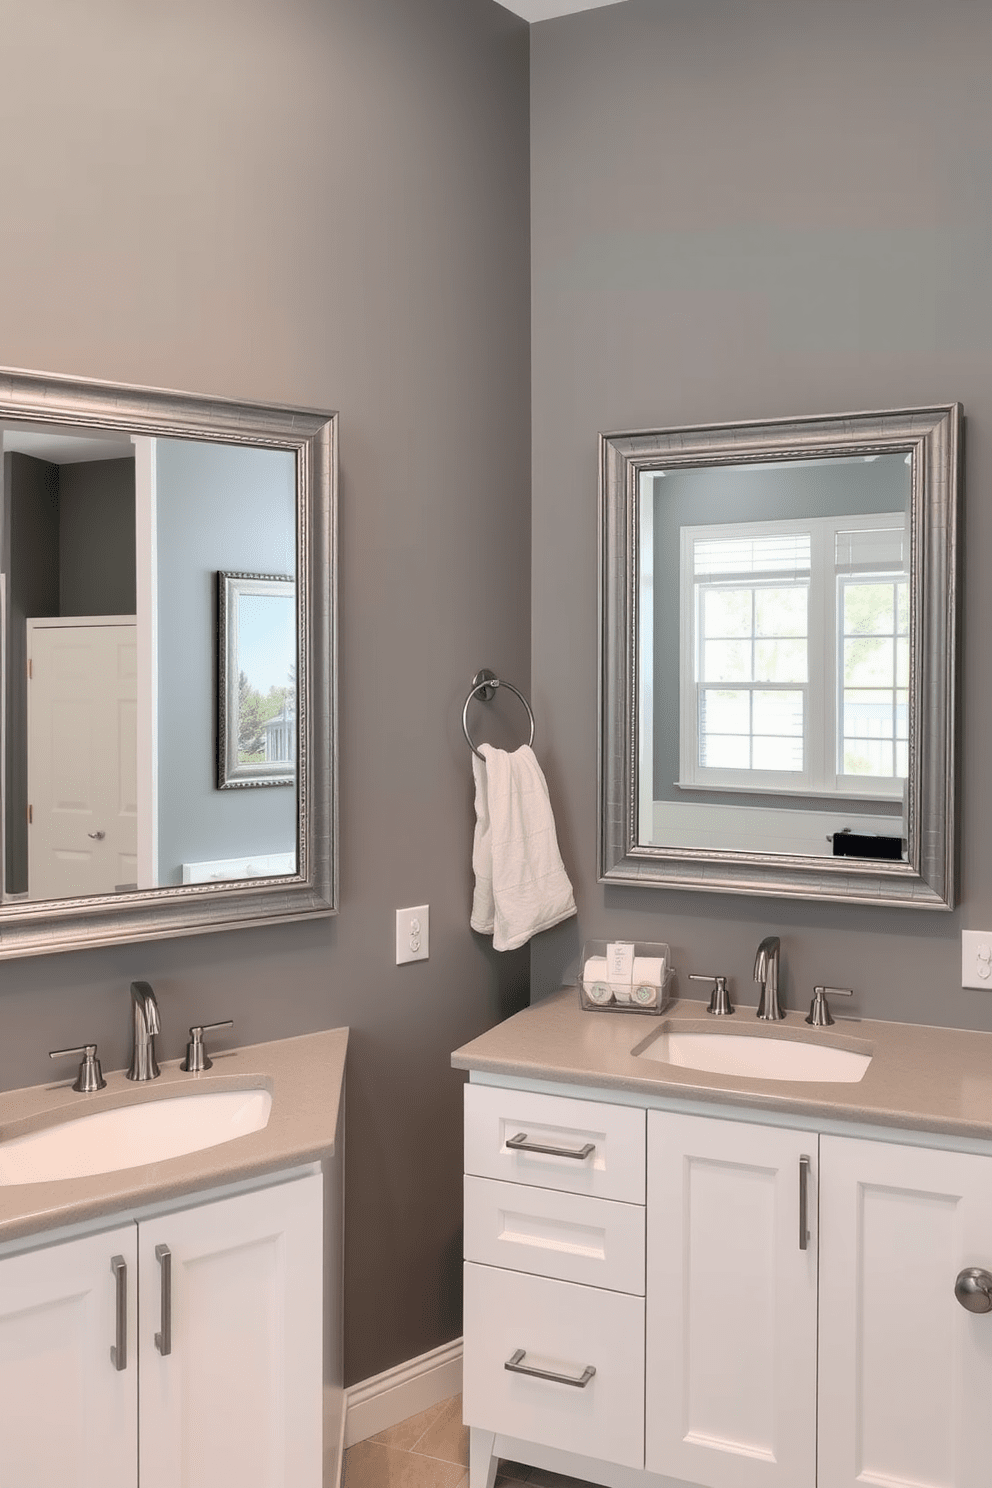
{"x":256,"y":680}
{"x":777,"y":669}
{"x":168,"y":589}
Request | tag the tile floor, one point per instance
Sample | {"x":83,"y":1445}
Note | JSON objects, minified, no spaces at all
{"x":430,"y":1450}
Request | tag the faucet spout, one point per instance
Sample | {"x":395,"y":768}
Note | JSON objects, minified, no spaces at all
{"x":766,"y":964}
{"x":146,"y":1023}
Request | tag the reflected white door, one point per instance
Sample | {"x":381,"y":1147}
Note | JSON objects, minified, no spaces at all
{"x":82,"y":756}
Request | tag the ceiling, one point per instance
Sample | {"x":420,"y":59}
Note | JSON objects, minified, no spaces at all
{"x":543,"y":10}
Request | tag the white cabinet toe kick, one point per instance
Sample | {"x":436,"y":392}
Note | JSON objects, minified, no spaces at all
{"x":655,"y":1299}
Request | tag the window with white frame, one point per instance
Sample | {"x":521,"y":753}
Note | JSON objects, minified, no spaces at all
{"x":794,"y":663}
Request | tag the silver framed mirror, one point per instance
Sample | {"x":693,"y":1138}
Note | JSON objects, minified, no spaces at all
{"x":121,"y":507}
{"x":778,"y":617}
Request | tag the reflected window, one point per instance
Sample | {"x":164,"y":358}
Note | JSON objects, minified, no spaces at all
{"x":795,"y":656}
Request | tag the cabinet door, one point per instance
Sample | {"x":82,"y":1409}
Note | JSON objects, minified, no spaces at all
{"x":236,"y":1400}
{"x":905,"y":1371}
{"x":68,"y":1414}
{"x":731,"y":1303}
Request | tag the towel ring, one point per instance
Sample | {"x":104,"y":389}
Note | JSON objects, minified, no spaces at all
{"x":484,"y":684}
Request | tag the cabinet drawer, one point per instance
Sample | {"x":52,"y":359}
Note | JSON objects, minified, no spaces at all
{"x":599,"y":1148}
{"x":562,"y":1329}
{"x":597,"y":1242}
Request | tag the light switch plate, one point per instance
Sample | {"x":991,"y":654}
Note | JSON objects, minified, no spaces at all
{"x":412,"y":934}
{"x":976,"y":958}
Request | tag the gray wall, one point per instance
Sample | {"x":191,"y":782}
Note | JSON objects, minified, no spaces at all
{"x":752,"y":211}
{"x":323,"y":202}
{"x":218,"y":509}
{"x":96,"y":538}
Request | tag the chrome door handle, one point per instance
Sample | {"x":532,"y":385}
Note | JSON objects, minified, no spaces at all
{"x":118,"y":1349}
{"x":804,"y":1203}
{"x":514,"y":1365}
{"x":163,"y":1340}
{"x":519,"y":1143}
{"x":97,"y":836}
{"x":973,"y":1289}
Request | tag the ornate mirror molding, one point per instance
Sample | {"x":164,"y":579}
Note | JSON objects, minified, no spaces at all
{"x":212,"y":486}
{"x":777,"y":657}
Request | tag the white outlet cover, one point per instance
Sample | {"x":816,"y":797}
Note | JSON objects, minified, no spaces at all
{"x":976,"y":958}
{"x":412,"y":934}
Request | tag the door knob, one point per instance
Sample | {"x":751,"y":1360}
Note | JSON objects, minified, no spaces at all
{"x":973,"y":1289}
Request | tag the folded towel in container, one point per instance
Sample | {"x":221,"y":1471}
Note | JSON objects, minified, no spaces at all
{"x":521,"y":885}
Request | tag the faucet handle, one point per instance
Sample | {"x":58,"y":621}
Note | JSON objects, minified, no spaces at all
{"x":820,"y":1015}
{"x":720,"y":1002}
{"x":90,"y":1075}
{"x":197,"y":1059}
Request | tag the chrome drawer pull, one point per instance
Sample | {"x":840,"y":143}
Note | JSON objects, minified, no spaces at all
{"x":163,"y":1340}
{"x":804,"y":1203}
{"x":519,"y":1143}
{"x":118,"y":1350}
{"x":514,"y":1365}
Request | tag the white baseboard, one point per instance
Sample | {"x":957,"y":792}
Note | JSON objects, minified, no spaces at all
{"x":375,"y":1404}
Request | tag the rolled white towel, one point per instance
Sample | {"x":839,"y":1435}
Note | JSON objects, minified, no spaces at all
{"x":595,"y":979}
{"x":650,"y":970}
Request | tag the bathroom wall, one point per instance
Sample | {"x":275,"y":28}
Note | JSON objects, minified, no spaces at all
{"x":323,"y":202}
{"x":754,"y":211}
{"x":96,"y":538}
{"x":217,"y":509}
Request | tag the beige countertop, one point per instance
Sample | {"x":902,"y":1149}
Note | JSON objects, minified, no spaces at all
{"x":305,"y":1076}
{"x":928,"y":1079}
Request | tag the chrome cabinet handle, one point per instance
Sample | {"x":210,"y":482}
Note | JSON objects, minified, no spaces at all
{"x":804,"y":1203}
{"x":163,"y":1340}
{"x":519,"y":1143}
{"x":118,"y":1349}
{"x":973,"y":1289}
{"x":96,"y":836}
{"x":514,"y":1365}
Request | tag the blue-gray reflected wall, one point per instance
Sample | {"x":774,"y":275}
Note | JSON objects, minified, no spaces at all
{"x":218,"y":508}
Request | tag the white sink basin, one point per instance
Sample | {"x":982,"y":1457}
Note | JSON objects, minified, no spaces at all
{"x":752,"y":1055}
{"x":133,"y":1135}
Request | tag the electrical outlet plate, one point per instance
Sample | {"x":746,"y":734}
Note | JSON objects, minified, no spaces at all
{"x":412,"y":934}
{"x":976,"y":958}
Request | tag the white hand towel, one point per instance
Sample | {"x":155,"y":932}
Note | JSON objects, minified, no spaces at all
{"x":520,"y":882}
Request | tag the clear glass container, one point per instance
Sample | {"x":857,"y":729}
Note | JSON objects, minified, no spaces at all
{"x":611,"y":979}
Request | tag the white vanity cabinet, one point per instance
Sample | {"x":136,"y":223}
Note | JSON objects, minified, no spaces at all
{"x":794,"y":1298}
{"x":905,"y":1372}
{"x":222,"y":1385}
{"x":731,"y":1302}
{"x":554,"y":1273}
{"x":67,"y":1414}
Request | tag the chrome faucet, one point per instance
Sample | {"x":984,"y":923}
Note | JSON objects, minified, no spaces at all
{"x":766,"y":975}
{"x":146,"y":1024}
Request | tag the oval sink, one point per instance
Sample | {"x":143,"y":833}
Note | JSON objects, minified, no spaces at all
{"x":131,"y":1136}
{"x":757,"y":1057}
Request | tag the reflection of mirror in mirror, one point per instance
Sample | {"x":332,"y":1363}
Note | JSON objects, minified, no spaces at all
{"x":111,"y":548}
{"x":774,"y":655}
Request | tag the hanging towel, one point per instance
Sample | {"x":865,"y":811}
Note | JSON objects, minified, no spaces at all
{"x":520,"y":882}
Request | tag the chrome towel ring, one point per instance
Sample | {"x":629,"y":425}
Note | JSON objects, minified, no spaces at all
{"x":484,"y":686}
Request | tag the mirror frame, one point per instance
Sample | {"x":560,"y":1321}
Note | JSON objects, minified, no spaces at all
{"x":47,"y":926}
{"x":933,"y":437}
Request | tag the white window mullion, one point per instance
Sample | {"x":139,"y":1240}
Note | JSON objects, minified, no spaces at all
{"x":822,"y":666}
